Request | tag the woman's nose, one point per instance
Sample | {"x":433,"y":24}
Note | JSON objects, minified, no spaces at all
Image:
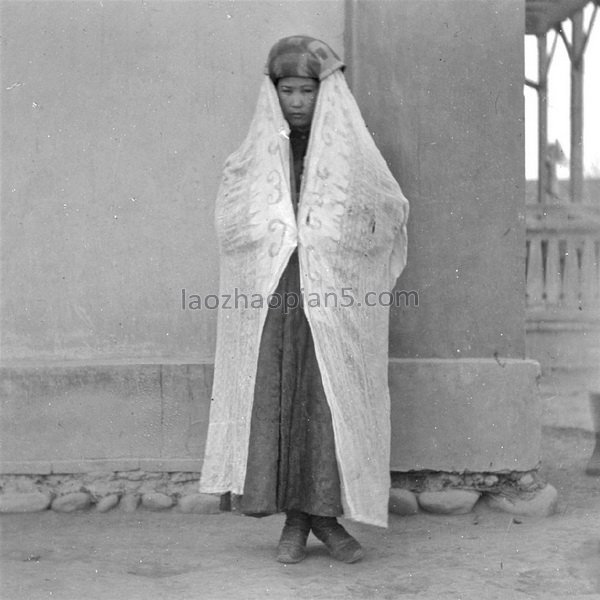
{"x":296,"y":100}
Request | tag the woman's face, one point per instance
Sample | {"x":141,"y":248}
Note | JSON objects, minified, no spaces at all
{"x":297,"y":97}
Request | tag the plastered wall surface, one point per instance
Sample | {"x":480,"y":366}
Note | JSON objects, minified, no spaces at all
{"x":116,"y":119}
{"x":441,"y":87}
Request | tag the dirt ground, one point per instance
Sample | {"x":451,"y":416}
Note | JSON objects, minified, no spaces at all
{"x":152,"y":556}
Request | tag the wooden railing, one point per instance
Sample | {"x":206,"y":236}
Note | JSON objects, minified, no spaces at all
{"x":563,"y":259}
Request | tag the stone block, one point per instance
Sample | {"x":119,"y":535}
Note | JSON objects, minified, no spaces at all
{"x":107,"y":503}
{"x":22,"y":503}
{"x":186,"y":391}
{"x":205,"y":504}
{"x":448,"y":502}
{"x":71,"y":502}
{"x":156,"y":501}
{"x":129,"y":502}
{"x":402,"y":502}
{"x":542,"y":503}
{"x":78,"y":417}
{"x":74,"y":412}
{"x":477,"y":415}
{"x":75,"y":418}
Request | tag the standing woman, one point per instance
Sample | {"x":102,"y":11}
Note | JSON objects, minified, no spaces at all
{"x":312,"y":234}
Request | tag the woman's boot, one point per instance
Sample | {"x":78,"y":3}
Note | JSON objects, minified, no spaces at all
{"x":341,"y":545}
{"x":292,"y":543}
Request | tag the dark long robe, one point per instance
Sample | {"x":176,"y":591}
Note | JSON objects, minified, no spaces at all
{"x":291,"y":457}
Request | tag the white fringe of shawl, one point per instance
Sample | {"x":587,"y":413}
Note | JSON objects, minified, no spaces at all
{"x":351,"y":237}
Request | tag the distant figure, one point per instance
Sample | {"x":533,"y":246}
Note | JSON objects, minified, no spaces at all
{"x":554,"y":157}
{"x":309,"y":217}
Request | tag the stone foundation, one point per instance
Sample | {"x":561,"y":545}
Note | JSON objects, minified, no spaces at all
{"x":519,"y":493}
{"x":80,"y":436}
{"x":101,"y":485}
{"x":435,"y":492}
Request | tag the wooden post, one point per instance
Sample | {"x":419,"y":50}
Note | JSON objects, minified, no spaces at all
{"x":578,"y":39}
{"x":542,"y":114}
{"x":570,"y":298}
{"x":589,"y":285}
{"x":535,"y":273}
{"x":553,"y":274}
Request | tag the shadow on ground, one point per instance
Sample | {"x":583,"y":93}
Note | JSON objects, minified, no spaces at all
{"x":482,"y":555}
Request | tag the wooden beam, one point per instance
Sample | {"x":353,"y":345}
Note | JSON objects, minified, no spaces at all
{"x":542,"y":114}
{"x":577,"y":61}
